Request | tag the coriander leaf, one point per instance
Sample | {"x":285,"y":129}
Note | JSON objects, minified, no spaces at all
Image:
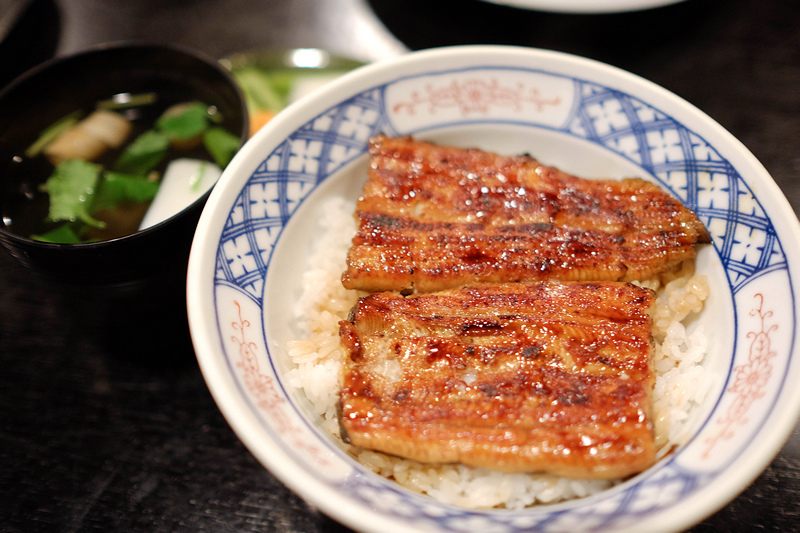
{"x":221,"y":144}
{"x":64,"y":234}
{"x":144,"y":153}
{"x":115,"y":188}
{"x":184,"y":121}
{"x":71,"y":188}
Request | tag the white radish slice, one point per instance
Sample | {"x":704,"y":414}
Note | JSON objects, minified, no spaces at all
{"x":185,"y":180}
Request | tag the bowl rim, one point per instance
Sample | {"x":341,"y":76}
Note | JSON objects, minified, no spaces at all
{"x":107,"y":48}
{"x":587,"y":6}
{"x":201,"y":275}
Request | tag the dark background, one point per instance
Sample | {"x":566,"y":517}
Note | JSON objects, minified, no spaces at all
{"x":106,"y":423}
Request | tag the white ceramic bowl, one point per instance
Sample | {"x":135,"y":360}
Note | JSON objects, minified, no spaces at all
{"x":585,"y":117}
{"x":587,"y":6}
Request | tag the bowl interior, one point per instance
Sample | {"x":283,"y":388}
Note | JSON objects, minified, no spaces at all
{"x":301,"y":235}
{"x":586,"y":118}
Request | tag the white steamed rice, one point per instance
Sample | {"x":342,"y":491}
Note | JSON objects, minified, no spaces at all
{"x":681,"y":380}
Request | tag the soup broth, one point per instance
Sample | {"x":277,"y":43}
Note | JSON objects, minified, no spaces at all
{"x":26,"y":202}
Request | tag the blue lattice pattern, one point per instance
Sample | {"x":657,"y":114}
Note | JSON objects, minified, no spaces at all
{"x":681,"y":160}
{"x":284,"y":179}
{"x":611,"y":510}
{"x":691,"y":169}
{"x":684,"y":163}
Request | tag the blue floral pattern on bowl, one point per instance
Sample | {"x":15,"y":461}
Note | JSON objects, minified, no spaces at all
{"x":745,"y":241}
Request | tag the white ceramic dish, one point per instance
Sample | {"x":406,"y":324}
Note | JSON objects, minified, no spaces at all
{"x":586,"y":6}
{"x":588,"y":118}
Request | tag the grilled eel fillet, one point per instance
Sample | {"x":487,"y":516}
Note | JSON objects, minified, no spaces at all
{"x":520,"y":377}
{"x":436,"y":217}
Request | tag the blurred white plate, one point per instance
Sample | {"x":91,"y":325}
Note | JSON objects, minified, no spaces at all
{"x":586,"y":6}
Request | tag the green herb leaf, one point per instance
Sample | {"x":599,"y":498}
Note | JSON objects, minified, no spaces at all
{"x":115,"y":188}
{"x":221,"y":144}
{"x":143,"y":154}
{"x":265,"y":90}
{"x":71,"y":188}
{"x":63,"y":234}
{"x":52,"y":132}
{"x":127,"y":100}
{"x":184,"y":121}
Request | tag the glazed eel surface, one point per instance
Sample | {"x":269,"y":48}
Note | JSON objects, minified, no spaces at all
{"x":518,"y":377}
{"x":438,"y":217}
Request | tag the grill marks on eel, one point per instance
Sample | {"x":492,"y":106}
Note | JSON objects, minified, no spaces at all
{"x":436,"y":217}
{"x":521,"y":347}
{"x":527,"y":377}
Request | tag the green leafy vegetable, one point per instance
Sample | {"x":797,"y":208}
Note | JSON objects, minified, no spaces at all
{"x":127,"y":100}
{"x":79,"y":190}
{"x":221,"y":144}
{"x":63,"y":234}
{"x":71,"y":188}
{"x":52,"y":132}
{"x":143,"y":154}
{"x":265,"y":90}
{"x":184,"y":121}
{"x":115,"y":188}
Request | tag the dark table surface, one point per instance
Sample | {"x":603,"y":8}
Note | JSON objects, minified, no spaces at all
{"x":105,"y":421}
